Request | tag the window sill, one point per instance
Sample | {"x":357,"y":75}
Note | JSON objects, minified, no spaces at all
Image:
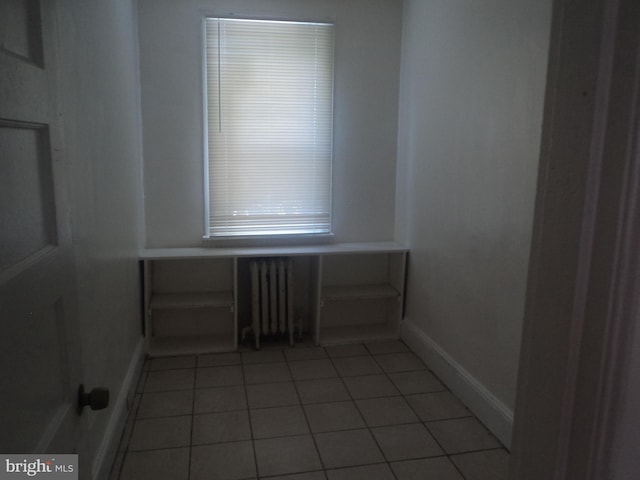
{"x":281,"y":251}
{"x":267,"y":241}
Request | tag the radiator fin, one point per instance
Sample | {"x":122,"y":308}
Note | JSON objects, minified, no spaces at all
{"x":272,"y":297}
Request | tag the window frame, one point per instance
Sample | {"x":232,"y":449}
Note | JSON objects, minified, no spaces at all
{"x":260,"y":239}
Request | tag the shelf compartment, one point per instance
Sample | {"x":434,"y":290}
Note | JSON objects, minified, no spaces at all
{"x":360,"y":297}
{"x":191,"y":300}
{"x":190,"y":306}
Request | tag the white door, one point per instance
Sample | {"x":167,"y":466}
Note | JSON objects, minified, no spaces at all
{"x":38,"y":352}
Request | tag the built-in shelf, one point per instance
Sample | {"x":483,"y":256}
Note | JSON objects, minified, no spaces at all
{"x":191,"y":294}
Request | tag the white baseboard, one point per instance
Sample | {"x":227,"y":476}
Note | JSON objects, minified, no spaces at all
{"x":496,"y":416}
{"x":109,"y":445}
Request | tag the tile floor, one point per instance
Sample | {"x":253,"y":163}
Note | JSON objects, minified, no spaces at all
{"x":350,"y":412}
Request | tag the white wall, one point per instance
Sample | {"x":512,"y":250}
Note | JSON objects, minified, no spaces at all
{"x":368,"y":34}
{"x":101,"y":112}
{"x":472,"y":83}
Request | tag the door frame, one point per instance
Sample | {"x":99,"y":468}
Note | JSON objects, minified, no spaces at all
{"x":577,"y":379}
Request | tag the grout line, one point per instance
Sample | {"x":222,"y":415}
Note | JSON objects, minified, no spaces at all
{"x":456,"y":467}
{"x":160,"y":417}
{"x":289,"y":475}
{"x":367,"y":427}
{"x":169,"y":370}
{"x":384,"y":462}
{"x":445,"y":454}
{"x":248,"y":409}
{"x":159,"y":449}
{"x":125,"y":437}
{"x":304,"y":412}
{"x":456,"y":454}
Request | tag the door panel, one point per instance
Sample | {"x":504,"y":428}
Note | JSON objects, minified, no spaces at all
{"x":26,"y":186}
{"x":41,"y":384}
{"x":39,"y":352}
{"x":20,"y":24}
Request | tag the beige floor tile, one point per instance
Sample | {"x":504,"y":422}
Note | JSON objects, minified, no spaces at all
{"x":403,"y":442}
{"x":484,"y":465}
{"x":322,"y":390}
{"x":370,"y":386}
{"x":280,"y":456}
{"x":352,"y":366}
{"x":305,"y":353}
{"x":380,"y":471}
{"x":266,"y":373}
{"x":165,"y":432}
{"x":378,"y":412}
{"x":219,"y":376}
{"x":278,"y":422}
{"x":437,"y":406}
{"x":263,"y":356}
{"x":348,"y":448}
{"x":220,"y":399}
{"x":221,"y":427}
{"x":170,"y":464}
{"x":394,"y":346}
{"x":399,"y":362}
{"x":312,"y":369}
{"x":272,"y":395}
{"x":422,"y":381}
{"x":462,"y":435}
{"x":169,"y":363}
{"x":223,"y":461}
{"x":330,"y":417}
{"x":439,"y":468}
{"x":219,"y":359}
{"x":335,"y":351}
{"x":166,"y":404}
{"x":165,"y":380}
{"x":291,"y":392}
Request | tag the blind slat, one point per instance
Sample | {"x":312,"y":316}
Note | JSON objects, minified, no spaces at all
{"x":270,"y":133}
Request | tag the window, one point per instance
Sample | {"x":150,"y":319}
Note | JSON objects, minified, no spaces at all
{"x":269,"y":96}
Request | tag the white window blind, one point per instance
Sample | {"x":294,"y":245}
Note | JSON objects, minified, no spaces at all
{"x":269,"y":123}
